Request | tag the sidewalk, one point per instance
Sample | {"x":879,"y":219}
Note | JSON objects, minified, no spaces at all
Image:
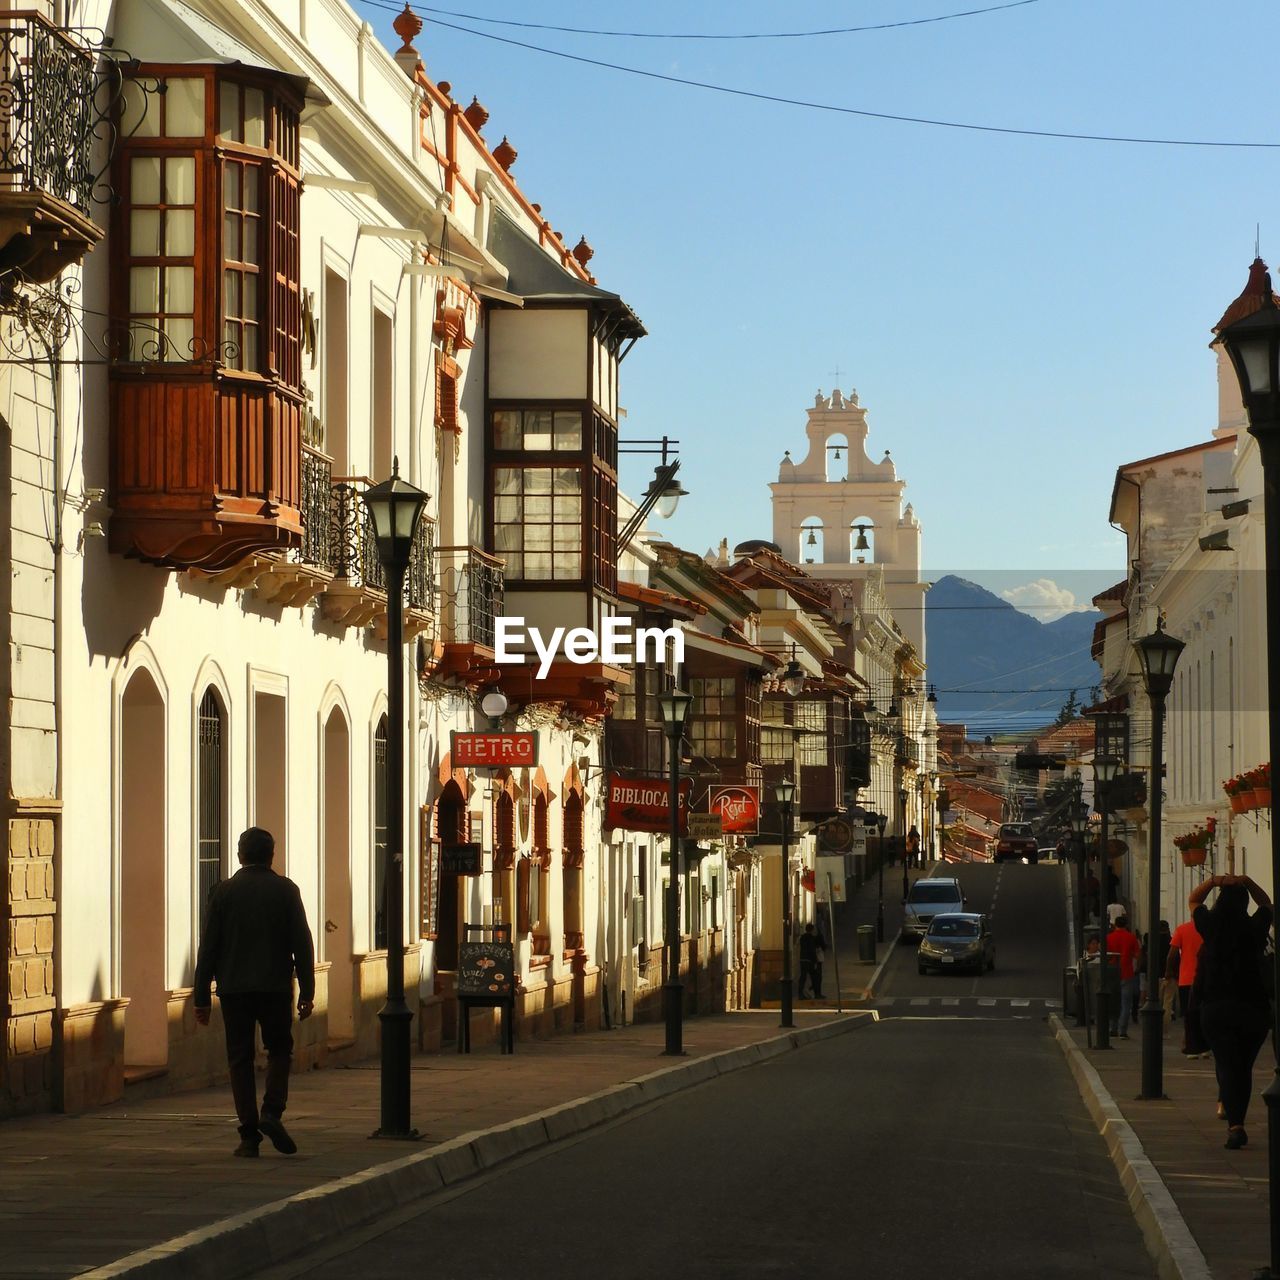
{"x":1221,"y":1195}
{"x":78,"y":1192}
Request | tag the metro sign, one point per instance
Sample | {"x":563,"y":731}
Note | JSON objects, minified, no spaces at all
{"x":493,"y":750}
{"x":739,"y":809}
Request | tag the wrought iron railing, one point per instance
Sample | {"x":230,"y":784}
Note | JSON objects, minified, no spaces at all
{"x":471,"y":589}
{"x":47,"y":113}
{"x":354,"y":550}
{"x":317,"y":510}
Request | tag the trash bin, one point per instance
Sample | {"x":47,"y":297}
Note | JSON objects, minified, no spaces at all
{"x":1071,"y":992}
{"x":1092,"y":970}
{"x":867,"y":944}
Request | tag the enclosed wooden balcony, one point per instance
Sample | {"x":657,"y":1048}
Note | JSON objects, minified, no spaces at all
{"x":46,"y":143}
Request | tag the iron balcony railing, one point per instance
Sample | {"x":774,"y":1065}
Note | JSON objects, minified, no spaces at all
{"x":317,"y":510}
{"x":471,"y":590}
{"x":354,"y":550}
{"x":46,"y":110}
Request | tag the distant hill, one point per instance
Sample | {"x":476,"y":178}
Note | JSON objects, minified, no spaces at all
{"x":978,"y":640}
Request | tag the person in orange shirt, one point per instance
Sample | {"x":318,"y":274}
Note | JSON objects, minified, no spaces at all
{"x":1184,"y":955}
{"x":1122,"y":941}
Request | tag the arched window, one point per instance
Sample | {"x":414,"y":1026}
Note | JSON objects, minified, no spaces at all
{"x":380,"y":834}
{"x":504,"y":855}
{"x":862,"y":540}
{"x":811,"y":549}
{"x":211,"y":834}
{"x":573,"y":858}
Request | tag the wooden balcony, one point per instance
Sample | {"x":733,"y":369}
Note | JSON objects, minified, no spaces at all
{"x":470,"y":591}
{"x":205,"y":466}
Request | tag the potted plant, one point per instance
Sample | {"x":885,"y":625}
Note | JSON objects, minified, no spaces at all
{"x":1234,"y":787}
{"x":1262,"y":785}
{"x":1194,"y":846}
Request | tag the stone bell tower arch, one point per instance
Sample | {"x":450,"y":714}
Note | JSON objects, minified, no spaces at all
{"x":861,"y":493}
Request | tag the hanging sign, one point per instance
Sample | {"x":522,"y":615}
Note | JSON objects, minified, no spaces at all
{"x":460,"y":859}
{"x":644,"y":804}
{"x":493,"y":750}
{"x":705,"y":826}
{"x":739,"y":809}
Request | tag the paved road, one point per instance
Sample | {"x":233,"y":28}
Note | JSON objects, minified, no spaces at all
{"x":919,"y":1146}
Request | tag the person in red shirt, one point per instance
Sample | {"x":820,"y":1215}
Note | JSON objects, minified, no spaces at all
{"x":1184,"y":954}
{"x":1122,"y":941}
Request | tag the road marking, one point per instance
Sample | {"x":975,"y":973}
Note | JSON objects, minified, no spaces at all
{"x":885,"y":999}
{"x":986,"y":1002}
{"x":1019,"y":1004}
{"x":921,"y":1000}
{"x":951,"y":1000}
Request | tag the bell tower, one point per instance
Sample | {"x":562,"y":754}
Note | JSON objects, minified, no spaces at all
{"x":836,"y":512}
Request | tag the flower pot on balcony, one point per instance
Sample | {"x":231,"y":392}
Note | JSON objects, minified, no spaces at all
{"x":1262,"y":797}
{"x":1238,"y":801}
{"x":1193,"y":857}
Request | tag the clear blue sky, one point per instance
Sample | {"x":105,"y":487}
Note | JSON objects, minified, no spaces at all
{"x":1019,"y":315}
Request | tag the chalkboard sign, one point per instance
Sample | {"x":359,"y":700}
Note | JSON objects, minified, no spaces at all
{"x":460,"y":859}
{"x":486,"y":970}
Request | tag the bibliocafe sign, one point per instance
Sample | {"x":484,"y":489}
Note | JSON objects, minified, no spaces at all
{"x":644,"y":804}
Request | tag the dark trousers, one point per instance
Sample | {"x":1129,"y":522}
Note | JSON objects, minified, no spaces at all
{"x":812,"y":970}
{"x":1193,"y":1040}
{"x":242,"y":1014}
{"x":1236,"y":1031}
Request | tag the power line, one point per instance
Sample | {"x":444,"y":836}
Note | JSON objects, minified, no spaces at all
{"x":713,"y":35}
{"x":838,"y":110}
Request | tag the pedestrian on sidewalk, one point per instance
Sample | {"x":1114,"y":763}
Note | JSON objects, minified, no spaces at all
{"x":255,"y":938}
{"x":1123,"y":942}
{"x":812,"y":955}
{"x":1235,"y":1008}
{"x":1184,"y":953}
{"x":913,"y":847}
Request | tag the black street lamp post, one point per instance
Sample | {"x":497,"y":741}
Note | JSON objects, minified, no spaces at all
{"x":1252,"y":341}
{"x":395,"y":507}
{"x":1159,"y":653}
{"x":902,"y":807}
{"x":1104,"y":772}
{"x":1079,"y":827}
{"x":879,"y":819}
{"x":675,"y":705}
{"x":784,"y":791}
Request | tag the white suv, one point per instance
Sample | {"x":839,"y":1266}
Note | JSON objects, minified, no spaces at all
{"x":936,"y":896}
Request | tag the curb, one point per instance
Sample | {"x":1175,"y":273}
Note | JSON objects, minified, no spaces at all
{"x":1164,"y":1230}
{"x":272,"y":1233}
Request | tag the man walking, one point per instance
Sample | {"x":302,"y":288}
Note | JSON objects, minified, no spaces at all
{"x":255,"y":938}
{"x":811,"y":958}
{"x":1122,"y":941}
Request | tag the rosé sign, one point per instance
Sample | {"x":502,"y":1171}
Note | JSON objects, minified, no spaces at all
{"x":739,"y":809}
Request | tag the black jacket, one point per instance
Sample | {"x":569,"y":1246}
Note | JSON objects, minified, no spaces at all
{"x":255,"y":937}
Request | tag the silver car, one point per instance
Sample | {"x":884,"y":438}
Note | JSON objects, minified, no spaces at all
{"x":960,"y":940}
{"x":927,"y":898}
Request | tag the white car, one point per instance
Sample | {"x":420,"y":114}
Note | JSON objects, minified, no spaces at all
{"x":935,"y":896}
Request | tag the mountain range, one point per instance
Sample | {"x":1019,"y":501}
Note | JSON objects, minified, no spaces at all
{"x":978,"y":642}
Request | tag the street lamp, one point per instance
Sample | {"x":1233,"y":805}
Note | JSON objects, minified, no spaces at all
{"x":1079,"y":822}
{"x":1159,"y":653}
{"x":878,"y":820}
{"x":902,"y":805}
{"x":1253,"y":344}
{"x":675,"y":704}
{"x":394,"y":508}
{"x":784,"y":792}
{"x":1104,"y":772}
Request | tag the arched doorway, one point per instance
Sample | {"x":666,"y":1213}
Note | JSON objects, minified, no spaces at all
{"x":338,"y":945}
{"x":572,"y":858}
{"x":143,"y":817}
{"x":451,"y":828}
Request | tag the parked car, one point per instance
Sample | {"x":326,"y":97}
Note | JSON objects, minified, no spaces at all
{"x":928,"y":898}
{"x":957,"y":940}
{"x":1048,"y":853}
{"x":1014,"y":841}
